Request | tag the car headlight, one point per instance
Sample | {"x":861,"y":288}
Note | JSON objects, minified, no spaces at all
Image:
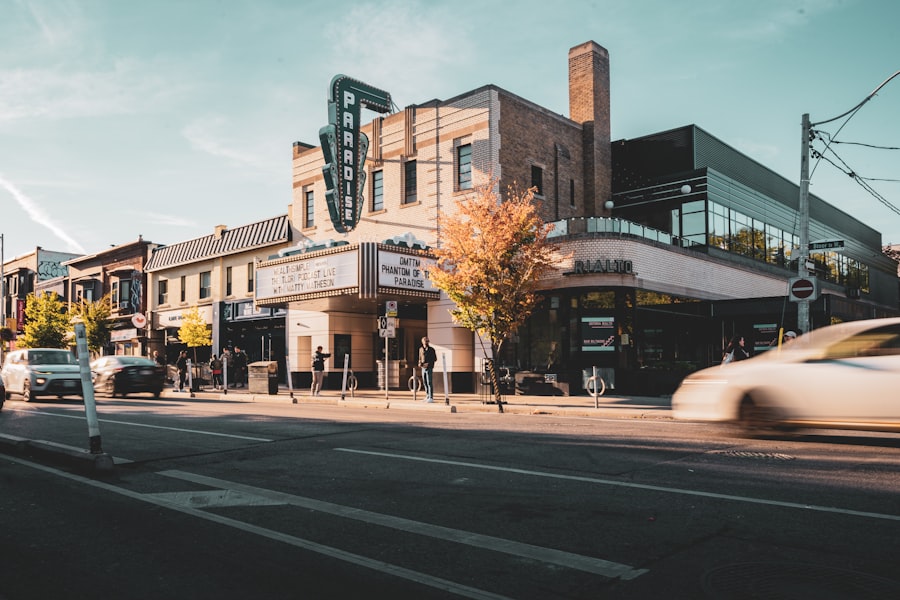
{"x":40,"y":380}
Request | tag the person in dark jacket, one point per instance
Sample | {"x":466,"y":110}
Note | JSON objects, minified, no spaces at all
{"x":181,"y":365}
{"x":318,"y":371}
{"x":427,"y":360}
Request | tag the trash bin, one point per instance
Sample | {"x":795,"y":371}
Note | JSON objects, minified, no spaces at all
{"x":262,"y":377}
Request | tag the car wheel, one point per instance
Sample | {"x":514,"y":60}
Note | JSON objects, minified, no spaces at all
{"x":109,"y":388}
{"x":157,"y":393}
{"x":755,"y":417}
{"x":27,"y":394}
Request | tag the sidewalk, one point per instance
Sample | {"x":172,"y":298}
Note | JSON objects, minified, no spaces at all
{"x":608,"y":405}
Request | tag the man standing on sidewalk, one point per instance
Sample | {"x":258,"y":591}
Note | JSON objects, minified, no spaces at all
{"x":318,"y":371}
{"x":427,"y":360}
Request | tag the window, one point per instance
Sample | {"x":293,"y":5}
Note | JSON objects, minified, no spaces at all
{"x":120,"y":292}
{"x":572,"y":193}
{"x":205,"y":284}
{"x":537,"y":180}
{"x":409,"y":182}
{"x":183,"y":288}
{"x":162,"y":292}
{"x":249,"y":277}
{"x":377,"y":190}
{"x":228,"y":281}
{"x":310,"y":219}
{"x":464,"y":167}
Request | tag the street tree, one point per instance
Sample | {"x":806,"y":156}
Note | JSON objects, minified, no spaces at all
{"x":47,"y":324}
{"x":493,"y":253}
{"x":97,"y":324}
{"x":194,"y":332}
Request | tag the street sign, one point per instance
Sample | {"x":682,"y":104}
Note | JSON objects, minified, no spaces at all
{"x":390,"y":308}
{"x":387,"y":327}
{"x":829,"y":245}
{"x":802,"y":289}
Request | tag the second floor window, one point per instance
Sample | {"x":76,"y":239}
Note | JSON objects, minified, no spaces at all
{"x":464,"y":167}
{"x":250,"y":278}
{"x":183,"y":288}
{"x":377,"y":190}
{"x":162,"y":292}
{"x":205,"y":284}
{"x":537,"y":180}
{"x":409,"y":182}
{"x":228,"y":281}
{"x":310,"y":218}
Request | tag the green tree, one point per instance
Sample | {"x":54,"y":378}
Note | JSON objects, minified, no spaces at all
{"x":194,"y":331}
{"x":493,"y":253}
{"x":47,"y":322}
{"x":95,"y":316}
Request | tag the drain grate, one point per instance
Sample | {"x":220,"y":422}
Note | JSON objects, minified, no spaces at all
{"x":786,"y":581}
{"x":770,"y":456}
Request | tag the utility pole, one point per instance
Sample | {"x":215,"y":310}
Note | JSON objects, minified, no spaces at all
{"x":806,"y":131}
{"x":803,"y":305}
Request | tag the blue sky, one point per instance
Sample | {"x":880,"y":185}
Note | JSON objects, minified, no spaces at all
{"x":166,"y":118}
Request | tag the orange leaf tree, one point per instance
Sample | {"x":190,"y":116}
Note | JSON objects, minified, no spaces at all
{"x":492,"y":254}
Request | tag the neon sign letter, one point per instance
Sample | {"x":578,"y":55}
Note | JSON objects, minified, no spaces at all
{"x":344,"y":148}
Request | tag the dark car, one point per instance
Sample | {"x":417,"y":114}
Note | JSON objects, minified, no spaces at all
{"x":125,"y":375}
{"x":2,"y":394}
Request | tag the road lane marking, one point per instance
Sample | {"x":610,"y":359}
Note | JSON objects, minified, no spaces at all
{"x":335,"y":553}
{"x":569,"y":560}
{"x":639,"y":486}
{"x":132,"y":424}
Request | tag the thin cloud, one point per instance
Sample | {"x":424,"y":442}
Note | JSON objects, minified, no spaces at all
{"x":37,"y":214}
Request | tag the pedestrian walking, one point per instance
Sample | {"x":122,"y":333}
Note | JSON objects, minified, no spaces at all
{"x":240,"y":367}
{"x":427,"y":360}
{"x":318,"y":371}
{"x":181,"y":366}
{"x":215,"y":366}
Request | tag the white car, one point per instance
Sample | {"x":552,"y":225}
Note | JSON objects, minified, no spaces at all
{"x":41,"y":372}
{"x":844,"y":376}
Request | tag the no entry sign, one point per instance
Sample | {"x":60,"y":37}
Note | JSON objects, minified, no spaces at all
{"x":802,"y":288}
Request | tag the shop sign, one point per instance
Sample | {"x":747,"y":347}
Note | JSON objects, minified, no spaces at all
{"x":603,"y":265}
{"x":121,"y":335}
{"x":310,"y":276}
{"x":344,"y":148}
{"x":403,"y":271}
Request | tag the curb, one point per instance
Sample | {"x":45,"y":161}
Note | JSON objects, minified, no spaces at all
{"x":77,"y":457}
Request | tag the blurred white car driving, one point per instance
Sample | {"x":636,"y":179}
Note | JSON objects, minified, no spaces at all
{"x":844,"y":376}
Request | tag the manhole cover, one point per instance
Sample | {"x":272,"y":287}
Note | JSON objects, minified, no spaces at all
{"x":776,"y":581}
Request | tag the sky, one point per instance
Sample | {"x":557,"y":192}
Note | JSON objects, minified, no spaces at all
{"x":163,"y":119}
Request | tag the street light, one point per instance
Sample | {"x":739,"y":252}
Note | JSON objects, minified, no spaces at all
{"x":806,"y":130}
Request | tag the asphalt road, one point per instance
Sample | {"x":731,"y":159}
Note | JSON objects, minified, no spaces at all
{"x":212,"y":499}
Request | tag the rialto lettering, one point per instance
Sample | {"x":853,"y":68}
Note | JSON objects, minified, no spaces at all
{"x":604,"y":265}
{"x":344,"y":148}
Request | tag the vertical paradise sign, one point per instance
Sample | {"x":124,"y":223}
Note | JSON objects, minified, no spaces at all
{"x":344,"y":148}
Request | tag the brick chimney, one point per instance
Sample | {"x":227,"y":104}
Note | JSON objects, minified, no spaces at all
{"x":589,"y":105}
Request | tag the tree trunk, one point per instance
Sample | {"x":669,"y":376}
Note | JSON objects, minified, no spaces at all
{"x":495,"y":382}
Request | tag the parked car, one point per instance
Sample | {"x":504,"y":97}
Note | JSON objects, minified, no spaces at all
{"x":113,"y":375}
{"x":37,"y":372}
{"x":844,"y":376}
{"x":2,"y":394}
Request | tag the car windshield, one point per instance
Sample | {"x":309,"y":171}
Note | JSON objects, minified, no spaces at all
{"x":51,"y":357}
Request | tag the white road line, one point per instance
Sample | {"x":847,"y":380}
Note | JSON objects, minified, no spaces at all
{"x":362,"y":561}
{"x":569,"y":560}
{"x":639,"y":486}
{"x":129,"y":423}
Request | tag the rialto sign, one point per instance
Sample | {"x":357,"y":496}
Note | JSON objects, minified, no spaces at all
{"x":344,"y":148}
{"x":603,"y":265}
